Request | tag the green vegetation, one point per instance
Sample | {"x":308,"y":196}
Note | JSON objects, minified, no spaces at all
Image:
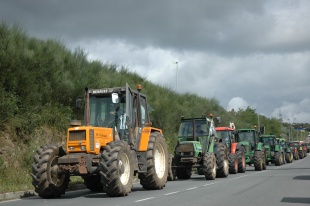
{"x":39,"y":83}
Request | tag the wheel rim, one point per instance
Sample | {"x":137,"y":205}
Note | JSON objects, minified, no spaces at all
{"x":55,"y":178}
{"x":226,"y":166}
{"x":214,"y":167}
{"x":159,"y":160}
{"x":124,"y":168}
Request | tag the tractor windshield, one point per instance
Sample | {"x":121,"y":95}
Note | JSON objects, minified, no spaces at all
{"x":247,"y":136}
{"x":104,"y":113}
{"x":225,"y":135}
{"x":188,"y":127}
{"x":265,"y":140}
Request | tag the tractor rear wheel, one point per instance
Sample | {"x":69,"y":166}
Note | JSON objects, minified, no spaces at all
{"x":258,"y":160}
{"x":93,"y":183}
{"x":233,"y":163}
{"x":116,"y":169}
{"x":209,"y":165}
{"x":241,"y":160}
{"x":46,"y":179}
{"x":288,"y":157}
{"x":184,"y":173}
{"x":157,"y":163}
{"x":222,"y":160}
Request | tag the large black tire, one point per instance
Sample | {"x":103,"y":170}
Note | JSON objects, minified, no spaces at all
{"x":209,"y":166}
{"x":157,"y":163}
{"x":241,"y":160}
{"x":258,"y":160}
{"x":116,"y":169}
{"x":200,"y":171}
{"x":45,"y":178}
{"x":183,"y":173}
{"x":264,"y":160}
{"x":222,"y":160}
{"x":301,"y":154}
{"x":277,"y":159}
{"x":171,"y":171}
{"x":288,"y":157}
{"x":296,"y":157}
{"x":233,"y":163}
{"x":283,"y":158}
{"x":93,"y":183}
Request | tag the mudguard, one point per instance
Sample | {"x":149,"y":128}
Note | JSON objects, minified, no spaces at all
{"x":277,"y":148}
{"x":234,"y":146}
{"x":259,"y":147}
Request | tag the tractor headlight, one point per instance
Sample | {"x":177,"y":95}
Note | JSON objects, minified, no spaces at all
{"x":182,"y":153}
{"x":83,"y":148}
{"x":191,"y":153}
{"x":71,"y":148}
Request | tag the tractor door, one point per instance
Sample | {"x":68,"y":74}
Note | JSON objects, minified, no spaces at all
{"x":138,"y":115}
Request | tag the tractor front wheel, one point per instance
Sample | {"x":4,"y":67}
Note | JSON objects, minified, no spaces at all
{"x":233,"y":163}
{"x":46,"y":179}
{"x":241,"y":160}
{"x":258,"y":160}
{"x":277,"y":159}
{"x":209,"y":165}
{"x":116,"y":169}
{"x":222,"y":160}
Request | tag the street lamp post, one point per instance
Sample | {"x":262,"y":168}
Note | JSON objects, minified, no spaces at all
{"x":289,"y":130}
{"x":176,"y":76}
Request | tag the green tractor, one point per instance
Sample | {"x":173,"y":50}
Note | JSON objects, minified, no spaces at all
{"x":288,"y":153}
{"x":273,"y":149}
{"x":198,"y":147}
{"x":253,"y":149}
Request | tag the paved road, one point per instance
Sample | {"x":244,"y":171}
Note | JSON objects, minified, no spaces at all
{"x":278,"y":185}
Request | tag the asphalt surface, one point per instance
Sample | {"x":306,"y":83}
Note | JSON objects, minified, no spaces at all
{"x":278,"y":185}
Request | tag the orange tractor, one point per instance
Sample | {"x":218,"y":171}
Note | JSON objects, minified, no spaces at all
{"x":236,"y":157}
{"x":115,"y":142}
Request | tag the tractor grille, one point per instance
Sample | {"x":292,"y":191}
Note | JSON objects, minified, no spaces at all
{"x":186,"y":148}
{"x":91,"y":140}
{"x":77,"y":135}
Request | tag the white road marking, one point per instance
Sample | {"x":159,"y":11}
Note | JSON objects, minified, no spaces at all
{"x":144,"y":199}
{"x":192,"y":188}
{"x":172,"y":193}
{"x":212,"y":183}
{"x":6,"y":201}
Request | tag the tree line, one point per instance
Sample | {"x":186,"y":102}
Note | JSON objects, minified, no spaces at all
{"x":40,"y":80}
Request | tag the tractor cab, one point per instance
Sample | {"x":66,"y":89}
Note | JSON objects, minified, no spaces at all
{"x":247,"y":135}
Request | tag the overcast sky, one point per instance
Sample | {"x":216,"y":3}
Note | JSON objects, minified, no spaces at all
{"x":241,"y":52}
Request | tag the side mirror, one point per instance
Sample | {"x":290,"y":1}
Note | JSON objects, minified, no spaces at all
{"x":115,"y":98}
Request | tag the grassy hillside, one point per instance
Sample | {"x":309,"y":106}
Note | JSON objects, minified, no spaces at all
{"x":39,"y":83}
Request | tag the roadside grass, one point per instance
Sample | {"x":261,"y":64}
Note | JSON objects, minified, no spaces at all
{"x":12,"y":180}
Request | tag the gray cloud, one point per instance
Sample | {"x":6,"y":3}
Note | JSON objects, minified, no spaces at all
{"x":257,"y":51}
